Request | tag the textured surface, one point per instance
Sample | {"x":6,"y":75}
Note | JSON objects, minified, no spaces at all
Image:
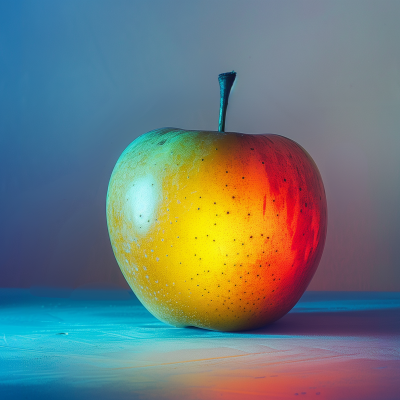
{"x":216,"y":230}
{"x":105,"y":345}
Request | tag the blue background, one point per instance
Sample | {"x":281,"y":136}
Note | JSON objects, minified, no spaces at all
{"x":79,"y":80}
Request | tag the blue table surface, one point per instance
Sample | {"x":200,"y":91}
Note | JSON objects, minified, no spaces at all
{"x":103,"y":344}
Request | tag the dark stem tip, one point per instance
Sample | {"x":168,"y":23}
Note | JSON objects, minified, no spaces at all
{"x":227,"y":78}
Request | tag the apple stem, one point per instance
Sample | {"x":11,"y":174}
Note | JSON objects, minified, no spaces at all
{"x":225,"y":85}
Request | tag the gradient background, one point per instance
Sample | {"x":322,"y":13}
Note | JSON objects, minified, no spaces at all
{"x":79,"y":80}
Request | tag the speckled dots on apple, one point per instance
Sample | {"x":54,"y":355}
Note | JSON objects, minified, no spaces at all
{"x":208,"y":233}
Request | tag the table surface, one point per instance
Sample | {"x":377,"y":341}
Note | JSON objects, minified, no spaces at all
{"x":103,"y":344}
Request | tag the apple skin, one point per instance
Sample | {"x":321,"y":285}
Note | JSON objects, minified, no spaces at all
{"x":217,"y":230}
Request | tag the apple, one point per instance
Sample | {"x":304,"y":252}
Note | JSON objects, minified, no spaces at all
{"x":217,"y":230}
